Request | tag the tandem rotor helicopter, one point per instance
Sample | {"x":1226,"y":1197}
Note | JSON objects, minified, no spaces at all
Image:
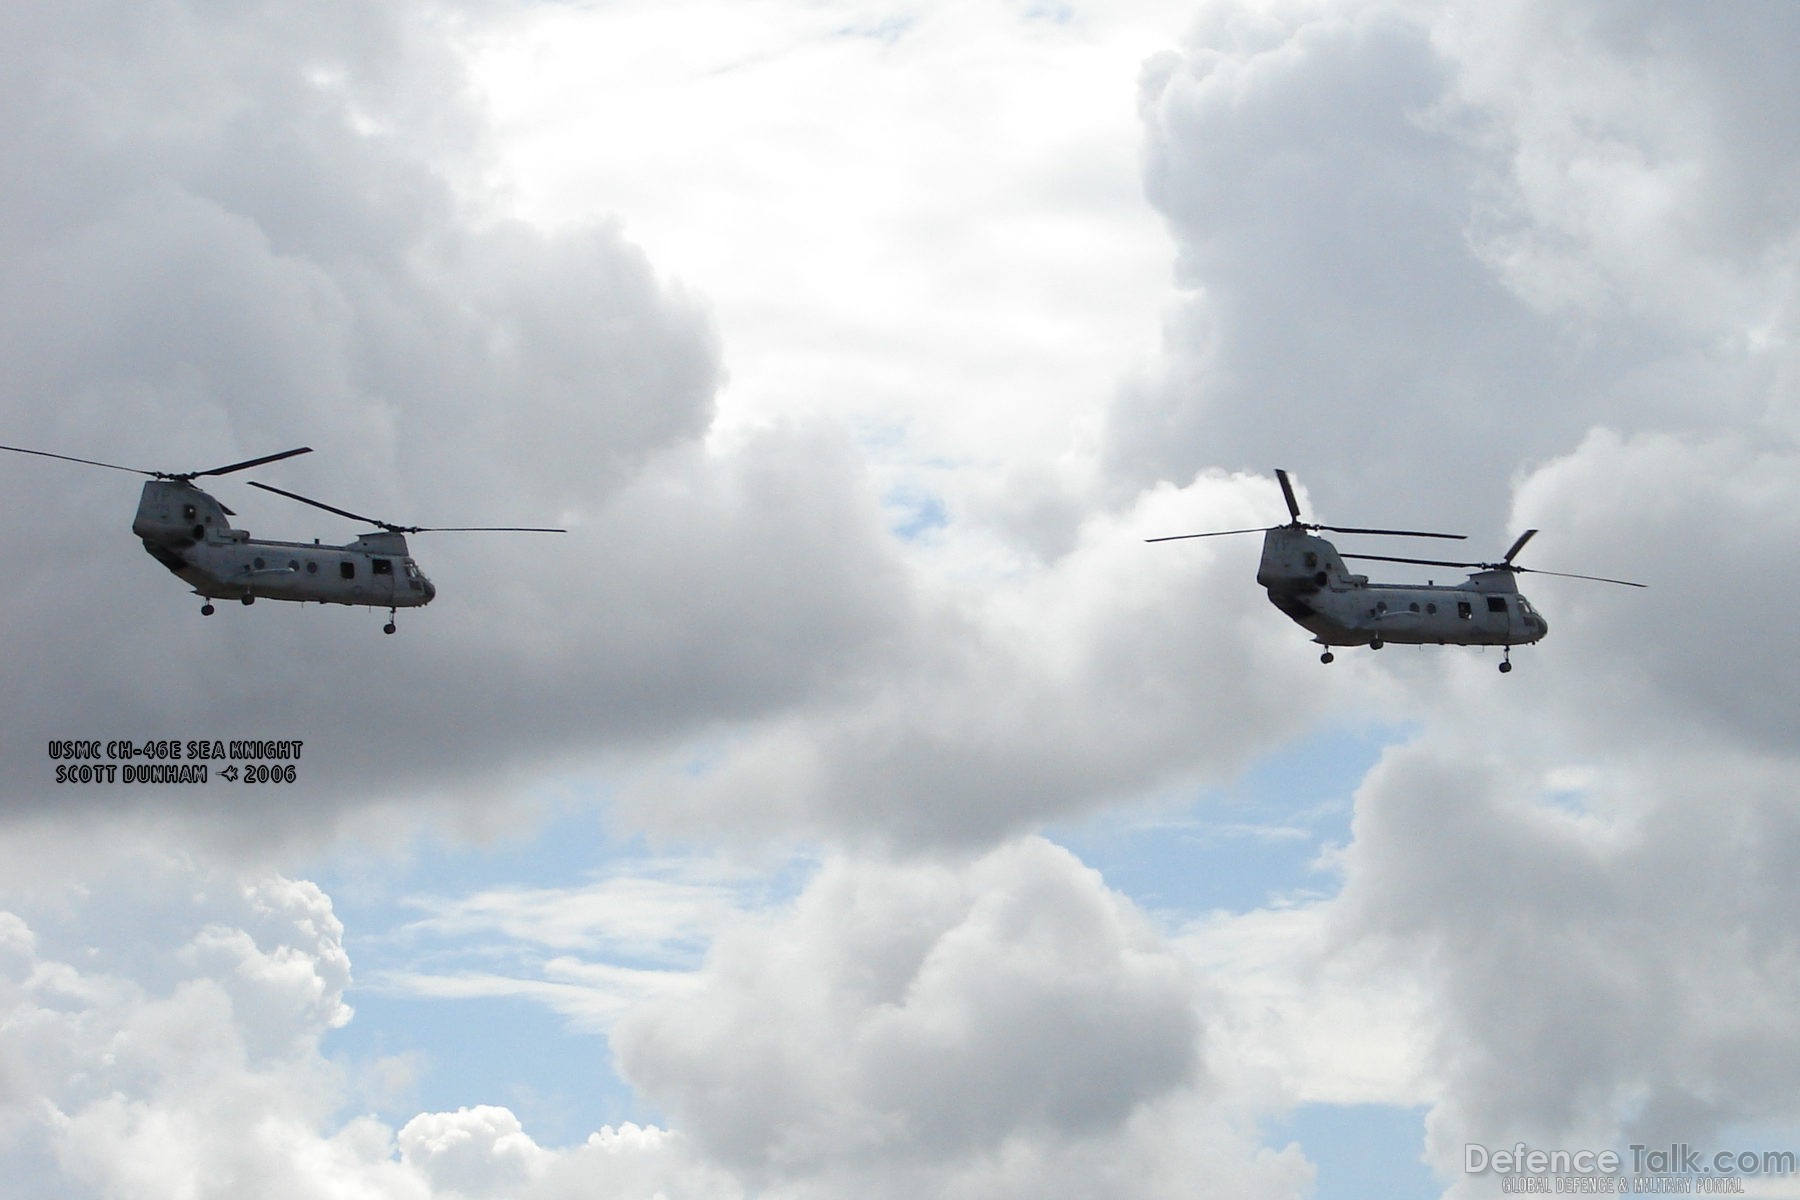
{"x":1307,"y":580}
{"x":188,"y":531}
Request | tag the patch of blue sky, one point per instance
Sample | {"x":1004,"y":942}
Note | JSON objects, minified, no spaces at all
{"x":1255,"y":842}
{"x":887,"y":30}
{"x":1056,"y":13}
{"x":456,"y":1006}
{"x":1361,"y":1150}
{"x":501,"y":1050}
{"x":914,"y":513}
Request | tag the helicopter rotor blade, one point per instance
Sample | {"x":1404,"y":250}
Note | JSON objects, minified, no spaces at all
{"x":330,"y":508}
{"x":1594,"y":578}
{"x":1287,"y":493}
{"x":480,"y":529}
{"x":1424,"y":562}
{"x":393,"y":528}
{"x":247,"y":463}
{"x":1499,"y":566}
{"x":71,"y":458}
{"x":179,"y":476}
{"x":1518,"y":545}
{"x":1392,"y":532}
{"x":1176,"y":537}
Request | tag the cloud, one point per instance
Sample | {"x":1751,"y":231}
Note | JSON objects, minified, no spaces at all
{"x":474,"y":1151}
{"x":1683,"y":514}
{"x":1045,"y":691}
{"x":1004,"y":1028}
{"x":1001,"y":1027}
{"x":1335,"y":321}
{"x":161,"y":1031}
{"x":1571,"y":942}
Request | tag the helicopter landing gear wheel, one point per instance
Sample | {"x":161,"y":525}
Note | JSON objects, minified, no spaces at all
{"x":1327,"y":657}
{"x":1376,"y":644}
{"x":207,"y":610}
{"x":1506,"y":663}
{"x":247,"y":601}
{"x":390,"y":627}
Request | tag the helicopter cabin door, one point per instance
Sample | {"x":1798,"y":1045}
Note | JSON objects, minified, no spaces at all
{"x":1497,"y":618}
{"x":385,"y":572}
{"x":368,"y":578}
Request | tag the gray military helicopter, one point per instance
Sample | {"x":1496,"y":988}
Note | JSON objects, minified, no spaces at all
{"x":188,"y":531}
{"x":1306,"y":579}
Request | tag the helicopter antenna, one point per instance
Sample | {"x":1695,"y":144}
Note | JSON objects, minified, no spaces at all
{"x":174,"y":476}
{"x":1294,"y":522}
{"x":393,"y":528}
{"x":1505,"y":564}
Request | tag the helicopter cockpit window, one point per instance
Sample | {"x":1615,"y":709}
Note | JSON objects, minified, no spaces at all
{"x":188,"y":513}
{"x":347,"y":570}
{"x":383,"y":566}
{"x":412,"y":570}
{"x":1496,"y":604}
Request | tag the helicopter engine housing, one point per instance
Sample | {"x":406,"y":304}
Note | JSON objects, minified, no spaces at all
{"x":1295,"y":562}
{"x":174,"y":515}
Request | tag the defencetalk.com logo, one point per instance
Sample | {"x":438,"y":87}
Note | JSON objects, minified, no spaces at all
{"x":1676,"y":1169}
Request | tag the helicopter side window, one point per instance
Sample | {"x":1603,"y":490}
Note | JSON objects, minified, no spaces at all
{"x":347,"y":569}
{"x":383,"y":566}
{"x":188,"y":513}
{"x":1463,"y":610}
{"x":1497,"y":604}
{"x":312,"y":568}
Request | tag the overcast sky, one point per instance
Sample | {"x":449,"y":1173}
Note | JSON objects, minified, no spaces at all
{"x":852,"y":803}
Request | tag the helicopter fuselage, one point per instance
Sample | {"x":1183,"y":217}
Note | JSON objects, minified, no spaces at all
{"x":190,"y":533}
{"x":1307,"y":580}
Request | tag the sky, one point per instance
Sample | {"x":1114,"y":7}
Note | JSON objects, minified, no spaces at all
{"x":852,"y":803}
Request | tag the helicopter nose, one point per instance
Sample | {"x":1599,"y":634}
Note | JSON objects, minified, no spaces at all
{"x":430,"y":590}
{"x":1539,"y":627}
